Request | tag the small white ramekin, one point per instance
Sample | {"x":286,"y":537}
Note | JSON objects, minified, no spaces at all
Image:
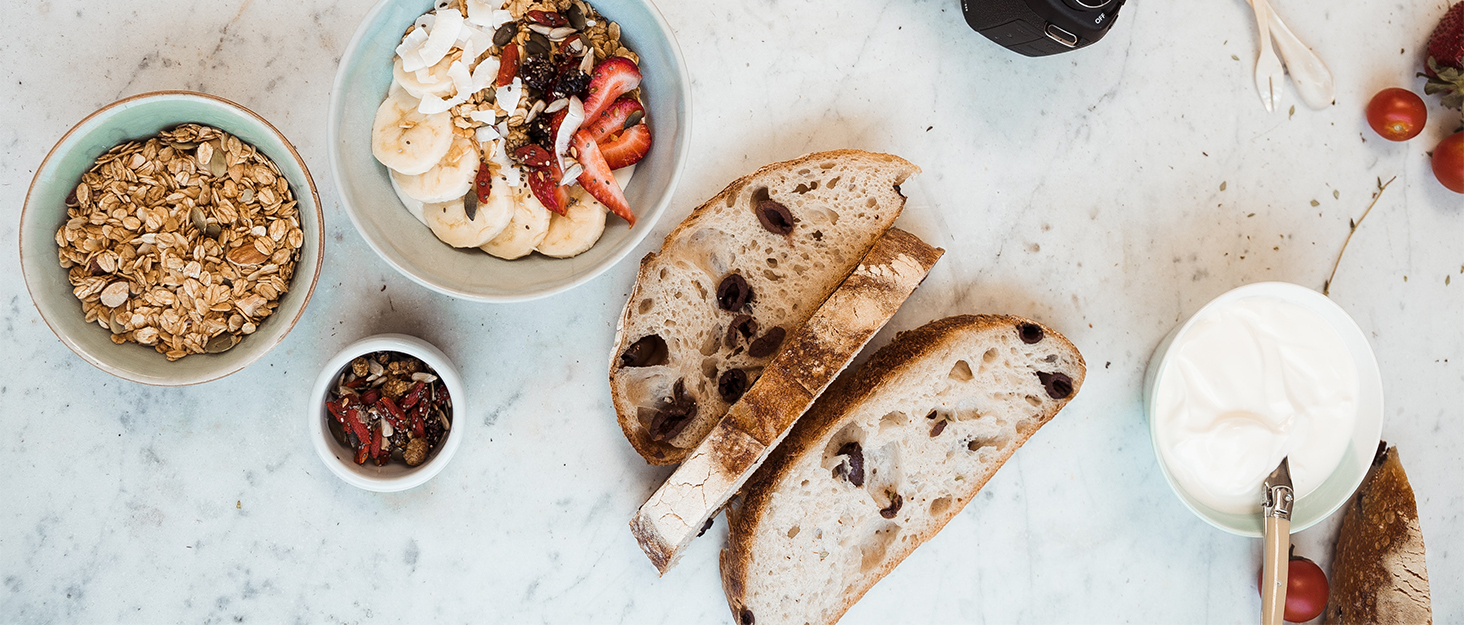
{"x":1338,"y":488}
{"x":395,"y":476}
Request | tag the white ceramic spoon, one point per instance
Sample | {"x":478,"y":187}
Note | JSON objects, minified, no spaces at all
{"x":1312,"y":78}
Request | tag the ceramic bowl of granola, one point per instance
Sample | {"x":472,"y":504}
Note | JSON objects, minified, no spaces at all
{"x":381,"y":413}
{"x":506,"y":150}
{"x":171,"y":238}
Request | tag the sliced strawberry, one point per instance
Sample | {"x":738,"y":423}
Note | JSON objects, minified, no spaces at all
{"x":628,"y":148}
{"x":597,"y":179}
{"x":613,"y":119}
{"x":483,"y":183}
{"x":611,"y":79}
{"x":546,"y":187}
{"x":507,"y":65}
{"x":555,"y":122}
{"x":534,"y":155}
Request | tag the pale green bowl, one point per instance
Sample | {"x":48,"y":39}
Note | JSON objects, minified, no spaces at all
{"x":137,"y":117}
{"x":1366,"y":430}
{"x":360,"y":86}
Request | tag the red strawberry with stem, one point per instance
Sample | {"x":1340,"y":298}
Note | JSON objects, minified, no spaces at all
{"x":597,"y":179}
{"x":611,"y":79}
{"x":1445,"y":65}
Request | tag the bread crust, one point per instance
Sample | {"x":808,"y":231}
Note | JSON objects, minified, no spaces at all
{"x":1378,"y":569}
{"x":906,"y":351}
{"x":756,"y":423}
{"x":662,"y":452}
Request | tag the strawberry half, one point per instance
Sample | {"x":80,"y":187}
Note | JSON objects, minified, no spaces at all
{"x":611,"y":79}
{"x":597,"y":179}
{"x":628,"y":148}
{"x":613,"y":119}
{"x":1445,"y":64}
{"x":545,"y":184}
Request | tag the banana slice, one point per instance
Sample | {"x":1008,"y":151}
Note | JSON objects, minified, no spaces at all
{"x":433,"y":80}
{"x":412,"y":205}
{"x":577,"y":230}
{"x":449,"y":221}
{"x":530,"y":224}
{"x":406,"y":141}
{"x":450,"y":178}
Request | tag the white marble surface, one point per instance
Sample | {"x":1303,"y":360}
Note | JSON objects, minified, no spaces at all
{"x":1083,"y":190}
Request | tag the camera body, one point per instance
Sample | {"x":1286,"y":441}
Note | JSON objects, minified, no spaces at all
{"x":1041,"y":27}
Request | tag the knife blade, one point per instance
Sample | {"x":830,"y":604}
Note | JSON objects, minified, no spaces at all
{"x":1276,"y":509}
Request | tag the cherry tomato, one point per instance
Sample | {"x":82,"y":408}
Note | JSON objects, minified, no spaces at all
{"x":1448,"y":162}
{"x":1306,"y":590}
{"x":1397,"y":114}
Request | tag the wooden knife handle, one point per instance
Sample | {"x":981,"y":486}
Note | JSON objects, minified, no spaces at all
{"x":1274,"y":569}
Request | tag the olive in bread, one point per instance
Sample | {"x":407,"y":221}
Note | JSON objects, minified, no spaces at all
{"x":885,"y":459}
{"x":744,"y":271}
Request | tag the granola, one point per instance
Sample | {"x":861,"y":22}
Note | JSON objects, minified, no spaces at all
{"x":183,"y":242}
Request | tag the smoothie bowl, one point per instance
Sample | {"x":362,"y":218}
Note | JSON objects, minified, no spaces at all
{"x":1262,"y":372}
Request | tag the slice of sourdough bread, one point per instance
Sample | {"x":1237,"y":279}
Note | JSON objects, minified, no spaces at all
{"x":886,"y":459}
{"x":790,"y":383}
{"x":743,"y":271}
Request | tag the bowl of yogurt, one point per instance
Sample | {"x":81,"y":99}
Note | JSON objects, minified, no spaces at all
{"x":1264,"y":371}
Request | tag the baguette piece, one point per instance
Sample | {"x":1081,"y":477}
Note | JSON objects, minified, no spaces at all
{"x":711,"y":475}
{"x":1378,"y":569}
{"x":886,"y":459}
{"x":674,"y":332}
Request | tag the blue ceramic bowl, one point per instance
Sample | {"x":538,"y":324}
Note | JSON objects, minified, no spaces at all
{"x":361,"y":84}
{"x":138,"y":117}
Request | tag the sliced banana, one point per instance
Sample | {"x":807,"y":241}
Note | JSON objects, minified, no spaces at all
{"x":577,"y":230}
{"x":449,"y":221}
{"x":405,"y":140}
{"x":450,"y":178}
{"x":433,"y":80}
{"x":412,"y":205}
{"x":530,"y":224}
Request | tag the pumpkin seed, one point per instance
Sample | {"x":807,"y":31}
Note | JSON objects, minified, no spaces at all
{"x":196,"y":215}
{"x":538,"y":44}
{"x":505,"y":34}
{"x":470,"y":205}
{"x":116,"y":326}
{"x":217,"y":165}
{"x":576,"y":17}
{"x":221,"y":344}
{"x":213,"y":231}
{"x":633,"y":119}
{"x":247,"y":195}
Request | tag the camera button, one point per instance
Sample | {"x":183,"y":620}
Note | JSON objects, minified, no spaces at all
{"x":1056,"y":33}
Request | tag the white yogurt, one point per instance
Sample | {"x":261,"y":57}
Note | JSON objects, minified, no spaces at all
{"x":1248,"y":383}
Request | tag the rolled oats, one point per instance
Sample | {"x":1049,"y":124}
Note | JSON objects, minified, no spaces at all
{"x":183,"y":242}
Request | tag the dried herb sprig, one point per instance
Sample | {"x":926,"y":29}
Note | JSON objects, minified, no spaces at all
{"x":1382,"y":186}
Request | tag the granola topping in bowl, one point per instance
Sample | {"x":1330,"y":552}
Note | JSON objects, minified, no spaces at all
{"x":183,"y":242}
{"x":388,"y":405}
{"x":513,"y":125}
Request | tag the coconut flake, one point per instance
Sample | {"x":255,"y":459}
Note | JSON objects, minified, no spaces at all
{"x":511,"y":174}
{"x":500,"y":18}
{"x":485,"y":73}
{"x":444,"y":35}
{"x":484,"y":134}
{"x":432,"y":105}
{"x":571,"y":173}
{"x":574,"y":115}
{"x":508,"y":96}
{"x":480,"y":12}
{"x":461,"y":80}
{"x":410,"y":50}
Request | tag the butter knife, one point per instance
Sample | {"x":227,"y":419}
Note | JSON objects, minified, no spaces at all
{"x":1276,"y":510}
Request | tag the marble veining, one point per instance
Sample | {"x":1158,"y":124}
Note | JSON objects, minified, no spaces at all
{"x":1107,"y":192}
